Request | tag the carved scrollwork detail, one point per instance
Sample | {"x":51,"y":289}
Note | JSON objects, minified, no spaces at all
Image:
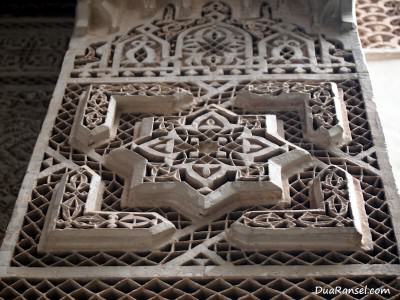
{"x":98,"y":99}
{"x":96,"y":109}
{"x":322,"y":106}
{"x":140,"y":52}
{"x":338,"y":209}
{"x":208,"y":146}
{"x":335,"y":193}
{"x":323,"y":109}
{"x":216,"y":10}
{"x":74,"y":198}
{"x":290,"y":219}
{"x":309,"y":219}
{"x":199,"y":150}
{"x":270,"y":220}
{"x":286,"y":51}
{"x":85,"y":222}
{"x":195,"y":147}
{"x":214,"y":43}
{"x":92,"y":56}
{"x":162,"y":174}
{"x":75,"y":219}
{"x":140,"y":89}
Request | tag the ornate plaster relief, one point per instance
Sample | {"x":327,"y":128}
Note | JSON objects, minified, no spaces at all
{"x":207,"y":139}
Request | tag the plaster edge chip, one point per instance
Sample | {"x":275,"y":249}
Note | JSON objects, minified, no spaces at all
{"x":227,"y":197}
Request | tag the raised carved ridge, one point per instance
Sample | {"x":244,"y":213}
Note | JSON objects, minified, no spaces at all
{"x":336,"y":209}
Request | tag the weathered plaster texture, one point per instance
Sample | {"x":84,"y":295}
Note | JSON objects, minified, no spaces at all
{"x":193,"y":140}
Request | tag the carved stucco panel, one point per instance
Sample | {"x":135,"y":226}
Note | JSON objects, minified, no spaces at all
{"x":208,"y":161}
{"x":215,"y":44}
{"x":379,"y":23}
{"x":164,"y":155}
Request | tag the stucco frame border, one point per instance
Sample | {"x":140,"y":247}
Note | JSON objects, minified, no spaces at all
{"x":32,"y":172}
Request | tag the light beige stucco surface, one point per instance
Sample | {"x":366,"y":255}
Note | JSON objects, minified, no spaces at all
{"x":385,"y":77}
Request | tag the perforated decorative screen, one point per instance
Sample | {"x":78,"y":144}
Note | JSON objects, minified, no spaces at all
{"x":212,"y":151}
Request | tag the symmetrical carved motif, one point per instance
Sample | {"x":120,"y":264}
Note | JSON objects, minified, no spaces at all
{"x":75,"y":221}
{"x":321,"y":106}
{"x":379,"y":23}
{"x":215,"y":159}
{"x":207,"y":136}
{"x":215,"y":163}
{"x":94,"y":124}
{"x":214,"y":44}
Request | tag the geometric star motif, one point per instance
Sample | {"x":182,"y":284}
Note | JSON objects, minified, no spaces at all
{"x":209,"y":159}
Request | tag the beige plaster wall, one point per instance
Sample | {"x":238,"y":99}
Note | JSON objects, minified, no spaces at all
{"x":385,"y":77}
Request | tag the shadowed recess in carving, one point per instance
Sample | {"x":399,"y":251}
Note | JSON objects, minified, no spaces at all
{"x":322,"y":107}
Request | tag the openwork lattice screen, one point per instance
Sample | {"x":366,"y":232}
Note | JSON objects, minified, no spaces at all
{"x":212,"y":151}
